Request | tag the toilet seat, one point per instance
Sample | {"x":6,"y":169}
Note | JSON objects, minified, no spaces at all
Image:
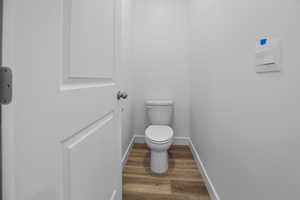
{"x":159,"y":134}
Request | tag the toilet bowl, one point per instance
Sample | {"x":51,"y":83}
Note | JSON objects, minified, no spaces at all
{"x":159,"y":138}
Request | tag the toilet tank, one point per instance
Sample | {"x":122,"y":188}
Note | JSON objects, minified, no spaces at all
{"x":159,"y":112}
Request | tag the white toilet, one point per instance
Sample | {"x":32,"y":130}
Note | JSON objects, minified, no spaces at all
{"x":159,"y":135}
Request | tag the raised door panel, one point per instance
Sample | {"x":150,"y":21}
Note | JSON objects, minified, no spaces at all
{"x":89,"y":39}
{"x":89,"y":160}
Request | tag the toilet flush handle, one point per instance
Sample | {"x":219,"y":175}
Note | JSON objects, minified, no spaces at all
{"x":122,"y":95}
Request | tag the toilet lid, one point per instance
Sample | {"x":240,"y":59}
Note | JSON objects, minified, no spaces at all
{"x":159,"y":133}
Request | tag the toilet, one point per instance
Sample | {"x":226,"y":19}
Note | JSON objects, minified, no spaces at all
{"x":159,"y":134}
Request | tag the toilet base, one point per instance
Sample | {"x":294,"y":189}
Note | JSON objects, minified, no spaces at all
{"x":159,"y":161}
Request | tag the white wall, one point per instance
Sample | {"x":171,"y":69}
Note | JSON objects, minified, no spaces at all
{"x":125,"y":74}
{"x":246,"y":125}
{"x":160,"y":65}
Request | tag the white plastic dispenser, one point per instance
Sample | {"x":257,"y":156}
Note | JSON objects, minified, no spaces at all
{"x":268,"y":55}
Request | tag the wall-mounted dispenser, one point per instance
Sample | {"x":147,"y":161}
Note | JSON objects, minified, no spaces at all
{"x":268,"y":55}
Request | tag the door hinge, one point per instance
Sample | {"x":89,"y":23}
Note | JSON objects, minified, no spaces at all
{"x":5,"y":85}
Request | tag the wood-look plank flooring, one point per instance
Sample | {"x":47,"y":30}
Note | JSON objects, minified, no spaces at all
{"x":182,"y":181}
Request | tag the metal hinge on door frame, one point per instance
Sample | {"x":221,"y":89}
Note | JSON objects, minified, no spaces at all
{"x":5,"y":85}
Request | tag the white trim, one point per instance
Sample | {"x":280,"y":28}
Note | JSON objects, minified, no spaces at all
{"x":114,"y":194}
{"x":209,"y":185}
{"x":140,"y":139}
{"x":181,"y":140}
{"x":128,"y":150}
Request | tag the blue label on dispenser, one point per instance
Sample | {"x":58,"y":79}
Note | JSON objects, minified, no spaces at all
{"x":263,"y":41}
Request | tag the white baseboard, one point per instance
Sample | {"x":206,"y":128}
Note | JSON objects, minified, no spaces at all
{"x":181,"y":140}
{"x":208,"y":183}
{"x":128,"y":150}
{"x":140,"y":139}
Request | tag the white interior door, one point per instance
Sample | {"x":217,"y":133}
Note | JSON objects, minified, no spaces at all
{"x":61,"y":132}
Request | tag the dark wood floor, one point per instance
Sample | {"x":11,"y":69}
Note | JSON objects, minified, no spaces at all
{"x":181,"y":182}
